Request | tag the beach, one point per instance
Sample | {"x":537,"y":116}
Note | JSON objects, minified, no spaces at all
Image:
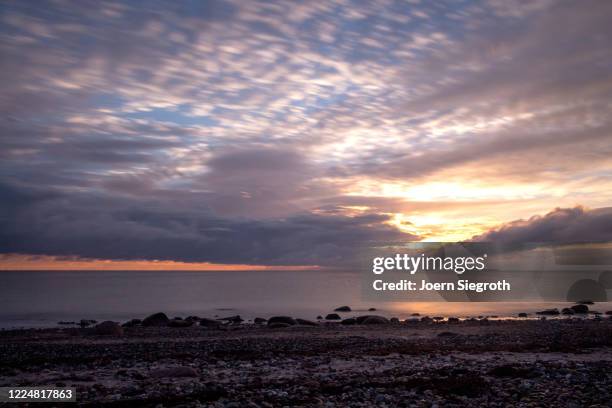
{"x":414,"y":363}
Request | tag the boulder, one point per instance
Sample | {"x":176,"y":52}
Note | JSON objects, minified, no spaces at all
{"x":522,"y":314}
{"x":580,"y":309}
{"x":232,"y":319}
{"x":305,"y":322}
{"x":319,"y":317}
{"x":333,"y":316}
{"x":342,"y":309}
{"x":609,"y":312}
{"x":438,"y":318}
{"x":415,"y":314}
{"x":426,"y":319}
{"x":132,"y":323}
{"x":394,"y":320}
{"x":549,"y":312}
{"x":157,"y":319}
{"x":108,"y":328}
{"x":87,"y":322}
{"x":180,"y":323}
{"x":372,"y":309}
{"x":278,"y":325}
{"x":282,"y":319}
{"x":210,"y":323}
{"x":174,"y":372}
{"x":567,"y":311}
{"x":453,"y":320}
{"x":372,"y":319}
{"x":349,"y":321}
{"x":260,"y":320}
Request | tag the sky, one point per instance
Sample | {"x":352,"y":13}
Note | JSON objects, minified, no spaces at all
{"x":212,"y":134}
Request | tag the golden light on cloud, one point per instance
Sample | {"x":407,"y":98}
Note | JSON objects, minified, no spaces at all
{"x":21,"y":262}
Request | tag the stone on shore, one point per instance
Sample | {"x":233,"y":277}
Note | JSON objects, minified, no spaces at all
{"x":549,"y":312}
{"x":372,"y":319}
{"x":333,"y":316}
{"x":349,"y":321}
{"x":282,"y":319}
{"x":210,"y":323}
{"x":306,"y":322}
{"x":342,"y":309}
{"x":180,"y":323}
{"x":157,"y":319}
{"x":108,"y":328}
{"x":522,"y":314}
{"x":132,"y":323}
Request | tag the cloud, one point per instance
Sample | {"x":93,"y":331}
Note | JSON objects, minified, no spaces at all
{"x":106,"y":227}
{"x":561,"y":226}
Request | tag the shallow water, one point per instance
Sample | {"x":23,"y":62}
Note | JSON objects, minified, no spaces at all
{"x":41,"y":299}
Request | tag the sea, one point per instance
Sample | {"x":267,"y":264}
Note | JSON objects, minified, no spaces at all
{"x":31,"y":299}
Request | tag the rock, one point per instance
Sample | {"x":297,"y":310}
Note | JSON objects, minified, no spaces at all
{"x":319,"y":317}
{"x":333,"y":316}
{"x":260,"y":320}
{"x":372,"y":319}
{"x":174,"y":372}
{"x":372,"y":309}
{"x":180,"y":323}
{"x":342,"y":309}
{"x":278,"y":325}
{"x":567,"y":311}
{"x":453,"y":320}
{"x":580,"y":309}
{"x":210,"y":323}
{"x":415,"y":314}
{"x":394,"y":320}
{"x":87,"y":322}
{"x":549,"y":312}
{"x":349,"y":321}
{"x":438,"y":318}
{"x":447,"y":334}
{"x":522,"y":314}
{"x":132,"y":323}
{"x":305,"y":322}
{"x":609,"y":312}
{"x":157,"y":319}
{"x":232,"y":319}
{"x":282,"y":319}
{"x":426,"y":319}
{"x":108,"y":328}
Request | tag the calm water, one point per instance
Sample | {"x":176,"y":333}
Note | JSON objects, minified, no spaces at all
{"x":39,"y":299}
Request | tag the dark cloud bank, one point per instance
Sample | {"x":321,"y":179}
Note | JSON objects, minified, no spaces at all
{"x":86,"y":225}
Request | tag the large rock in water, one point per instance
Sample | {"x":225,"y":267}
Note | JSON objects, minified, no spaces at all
{"x":581,"y":309}
{"x":282,"y":319}
{"x":333,"y":316}
{"x":342,"y":309}
{"x":157,"y":319}
{"x":109,"y":328}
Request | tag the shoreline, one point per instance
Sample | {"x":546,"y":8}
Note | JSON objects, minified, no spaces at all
{"x":420,"y":364}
